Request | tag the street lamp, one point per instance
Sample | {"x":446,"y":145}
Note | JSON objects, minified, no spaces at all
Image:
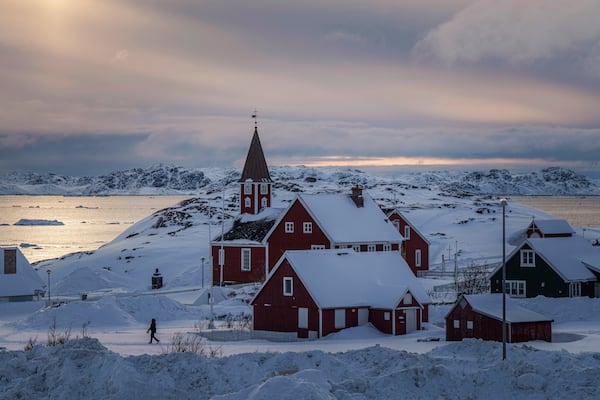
{"x":503,"y":203}
{"x":202,"y":259}
{"x":48,"y":271}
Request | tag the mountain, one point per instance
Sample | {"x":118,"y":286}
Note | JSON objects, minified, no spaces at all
{"x":173,"y":180}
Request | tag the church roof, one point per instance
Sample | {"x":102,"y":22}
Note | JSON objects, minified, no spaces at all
{"x":255,"y":167}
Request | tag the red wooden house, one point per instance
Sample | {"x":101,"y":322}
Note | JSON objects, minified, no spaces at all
{"x":415,"y":247}
{"x":311,"y":294}
{"x":332,"y":221}
{"x":548,"y":228}
{"x":480,"y":317}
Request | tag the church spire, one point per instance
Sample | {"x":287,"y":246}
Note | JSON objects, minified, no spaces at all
{"x":255,"y":167}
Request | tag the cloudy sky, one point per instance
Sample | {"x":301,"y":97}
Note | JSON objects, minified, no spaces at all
{"x":91,"y":86}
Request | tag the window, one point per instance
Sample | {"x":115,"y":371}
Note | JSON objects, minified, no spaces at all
{"x":303,"y":317}
{"x":247,"y":202}
{"x":406,"y":232}
{"x":371,"y":247}
{"x":527,"y":258}
{"x":246,"y":260}
{"x":418,"y":257}
{"x":289,"y":227}
{"x":10,"y":261}
{"x":469,"y":324}
{"x":340,"y":318}
{"x":387,"y":247}
{"x":574,"y":289}
{"x":515,"y":288}
{"x":247,"y":188}
{"x":317,"y":247}
{"x":356,"y":248}
{"x":396,"y":224}
{"x":263,"y":202}
{"x":386,"y":316}
{"x":264,"y":188}
{"x":288,"y":286}
{"x":407,"y":298}
{"x":307,"y":227}
{"x":456,"y":324}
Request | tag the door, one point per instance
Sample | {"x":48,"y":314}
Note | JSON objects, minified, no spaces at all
{"x":363,"y":316}
{"x":411,"y":320}
{"x":302,"y":317}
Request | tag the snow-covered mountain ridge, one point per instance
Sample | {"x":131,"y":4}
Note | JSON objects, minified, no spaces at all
{"x":173,"y":180}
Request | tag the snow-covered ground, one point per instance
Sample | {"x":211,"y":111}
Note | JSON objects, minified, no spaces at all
{"x":115,"y":361}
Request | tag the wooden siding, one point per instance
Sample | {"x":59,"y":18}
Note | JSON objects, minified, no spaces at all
{"x":487,"y":328}
{"x":232,"y":270}
{"x":275,"y":312}
{"x":280,"y":241}
{"x":541,"y":280}
{"x":255,"y":197}
{"x":409,"y":246}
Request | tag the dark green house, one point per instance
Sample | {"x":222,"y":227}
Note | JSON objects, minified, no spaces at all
{"x":551,"y":267}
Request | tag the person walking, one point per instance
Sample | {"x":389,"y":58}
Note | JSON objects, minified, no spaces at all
{"x":152,"y":331}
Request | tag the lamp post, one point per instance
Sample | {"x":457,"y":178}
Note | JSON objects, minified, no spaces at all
{"x":202,"y":259}
{"x":49,"y":271}
{"x":503,"y":203}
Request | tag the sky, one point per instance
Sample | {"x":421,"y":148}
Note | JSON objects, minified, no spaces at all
{"x":91,"y":86}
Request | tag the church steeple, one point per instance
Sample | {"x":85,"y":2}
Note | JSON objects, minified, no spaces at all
{"x":255,"y":181}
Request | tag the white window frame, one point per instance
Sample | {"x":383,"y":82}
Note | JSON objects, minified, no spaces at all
{"x":247,"y":202}
{"x":386,"y":316}
{"x":407,"y":232}
{"x":264,"y":202}
{"x":264,"y":188}
{"x":527,"y":258}
{"x":303,"y":317}
{"x":356,"y":248}
{"x":289,"y":227}
{"x":340,"y":318}
{"x":246,"y":259}
{"x":371,"y":247}
{"x":575,"y":289}
{"x":516,"y":288}
{"x":407,"y":299}
{"x":307,"y":227}
{"x":396,"y":223}
{"x":317,"y":247}
{"x":456,"y":324}
{"x":288,"y":286}
{"x":387,"y":247}
{"x":418,"y":257}
{"x":470,"y":325}
{"x":247,"y":188}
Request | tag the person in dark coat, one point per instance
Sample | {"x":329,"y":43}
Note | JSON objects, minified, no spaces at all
{"x":152,"y":331}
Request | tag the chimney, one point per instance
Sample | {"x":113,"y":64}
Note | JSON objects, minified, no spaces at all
{"x":357,"y":196}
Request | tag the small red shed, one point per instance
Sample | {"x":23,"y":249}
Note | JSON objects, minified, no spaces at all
{"x":312,"y":293}
{"x":480,"y":317}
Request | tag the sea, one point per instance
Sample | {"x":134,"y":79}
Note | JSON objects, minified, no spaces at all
{"x":59,"y":225}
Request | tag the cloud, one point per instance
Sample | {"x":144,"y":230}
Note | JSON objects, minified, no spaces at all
{"x":516,"y":32}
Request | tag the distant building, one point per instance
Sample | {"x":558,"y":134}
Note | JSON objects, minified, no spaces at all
{"x":480,"y":317}
{"x":549,"y":228}
{"x":18,"y":280}
{"x":311,"y":294}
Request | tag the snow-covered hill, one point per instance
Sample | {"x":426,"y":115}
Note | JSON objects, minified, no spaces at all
{"x":168,"y":179}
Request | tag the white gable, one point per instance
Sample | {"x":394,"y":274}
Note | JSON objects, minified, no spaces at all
{"x":345,"y":278}
{"x":491,"y":305}
{"x":22,"y":283}
{"x":344,"y":222}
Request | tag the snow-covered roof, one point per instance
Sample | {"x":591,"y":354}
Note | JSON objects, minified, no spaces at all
{"x":405,"y":219}
{"x":490,"y":304}
{"x":552,"y":226}
{"x":345,"y":278}
{"x":23,"y":282}
{"x":250,"y":228}
{"x":344,"y":222}
{"x":571,"y":257}
{"x":566,"y":256}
